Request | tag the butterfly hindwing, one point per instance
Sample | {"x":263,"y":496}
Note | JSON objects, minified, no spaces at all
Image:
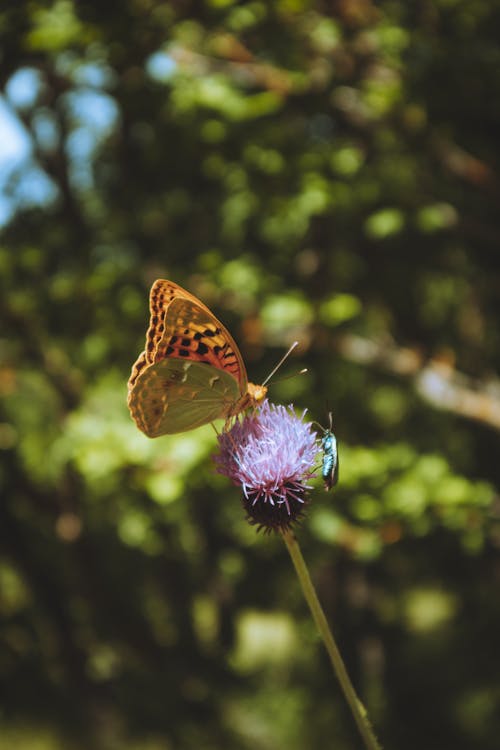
{"x":175,"y":395}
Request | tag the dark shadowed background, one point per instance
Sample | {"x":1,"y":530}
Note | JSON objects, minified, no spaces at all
{"x":326,"y":172}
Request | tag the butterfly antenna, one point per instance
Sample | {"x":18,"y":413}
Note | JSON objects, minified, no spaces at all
{"x":295,"y":343}
{"x":287,"y":377}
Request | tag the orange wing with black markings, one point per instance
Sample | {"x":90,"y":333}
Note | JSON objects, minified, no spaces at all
{"x":191,"y":371}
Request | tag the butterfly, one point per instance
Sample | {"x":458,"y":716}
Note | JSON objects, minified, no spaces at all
{"x":191,"y":371}
{"x":330,"y":468}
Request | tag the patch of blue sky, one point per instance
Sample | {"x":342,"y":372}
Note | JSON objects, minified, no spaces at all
{"x":80,"y":147}
{"x":23,"y":88}
{"x":95,"y":110}
{"x":22,"y":182}
{"x":93,"y":75}
{"x":95,"y":115}
{"x":34,"y":188}
{"x":46,"y":129}
{"x":15,"y":149}
{"x":15,"y":143}
{"x":160,"y":66}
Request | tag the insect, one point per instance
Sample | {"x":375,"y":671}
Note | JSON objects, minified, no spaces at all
{"x":191,"y":371}
{"x":330,"y":468}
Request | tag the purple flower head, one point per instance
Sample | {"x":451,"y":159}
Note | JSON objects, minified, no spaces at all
{"x":271,"y":453}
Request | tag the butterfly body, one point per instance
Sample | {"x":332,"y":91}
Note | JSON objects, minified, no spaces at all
{"x":330,"y":467}
{"x":191,"y":371}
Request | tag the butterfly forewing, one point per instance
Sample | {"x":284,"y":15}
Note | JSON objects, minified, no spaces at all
{"x":193,"y":333}
{"x":162,"y":294}
{"x":175,"y":312}
{"x":137,"y":368}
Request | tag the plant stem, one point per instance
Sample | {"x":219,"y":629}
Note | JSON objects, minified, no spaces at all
{"x":358,"y":710}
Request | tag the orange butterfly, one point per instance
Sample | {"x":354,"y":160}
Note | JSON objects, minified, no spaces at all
{"x":191,"y":371}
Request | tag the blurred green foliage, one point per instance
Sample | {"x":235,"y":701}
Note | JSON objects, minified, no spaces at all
{"x":326,"y":173}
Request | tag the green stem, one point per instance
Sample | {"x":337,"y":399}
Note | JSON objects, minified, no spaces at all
{"x":357,"y":708}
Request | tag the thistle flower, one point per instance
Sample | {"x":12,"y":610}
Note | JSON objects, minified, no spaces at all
{"x":271,"y":454}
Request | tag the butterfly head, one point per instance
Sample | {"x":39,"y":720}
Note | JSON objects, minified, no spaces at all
{"x":256,"y":393}
{"x":253,"y":396}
